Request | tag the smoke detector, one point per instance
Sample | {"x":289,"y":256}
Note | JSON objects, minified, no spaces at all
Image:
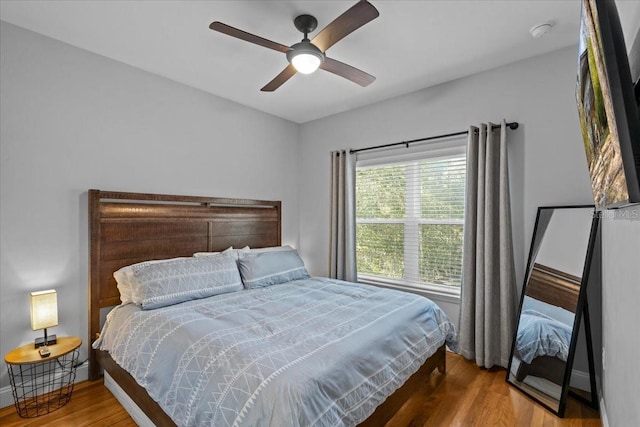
{"x":540,"y":30}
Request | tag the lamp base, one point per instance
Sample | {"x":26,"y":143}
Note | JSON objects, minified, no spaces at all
{"x":51,"y":339}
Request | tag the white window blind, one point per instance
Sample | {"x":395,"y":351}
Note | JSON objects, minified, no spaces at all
{"x":409,"y":219}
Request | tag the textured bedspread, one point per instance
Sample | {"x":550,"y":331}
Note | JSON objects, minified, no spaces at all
{"x":308,"y":352}
{"x":544,"y":330}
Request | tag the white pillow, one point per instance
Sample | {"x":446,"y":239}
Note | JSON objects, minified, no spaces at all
{"x":229,"y":250}
{"x":123,"y":279}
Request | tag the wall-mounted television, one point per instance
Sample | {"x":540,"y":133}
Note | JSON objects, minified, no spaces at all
{"x":607,"y":108}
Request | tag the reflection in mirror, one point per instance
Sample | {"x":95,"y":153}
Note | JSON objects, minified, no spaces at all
{"x":550,"y":308}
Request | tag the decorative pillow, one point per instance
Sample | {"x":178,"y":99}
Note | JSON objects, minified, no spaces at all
{"x":123,"y":286}
{"x":123,"y":279}
{"x":272,"y":249}
{"x":236,"y":252}
{"x":259,"y":269}
{"x":162,"y":284}
{"x":229,"y":250}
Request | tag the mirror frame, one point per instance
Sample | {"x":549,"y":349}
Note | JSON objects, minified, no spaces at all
{"x":581,"y":308}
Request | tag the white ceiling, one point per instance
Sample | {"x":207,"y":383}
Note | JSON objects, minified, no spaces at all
{"x":412,"y":45}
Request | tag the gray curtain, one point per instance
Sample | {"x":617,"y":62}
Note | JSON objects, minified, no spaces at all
{"x":343,"y":217}
{"x":488,"y":295}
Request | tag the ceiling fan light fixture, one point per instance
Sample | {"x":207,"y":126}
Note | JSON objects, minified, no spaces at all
{"x":306,"y":63}
{"x":305,"y":57}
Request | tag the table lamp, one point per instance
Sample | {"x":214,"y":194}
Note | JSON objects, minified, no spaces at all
{"x":44,"y":314}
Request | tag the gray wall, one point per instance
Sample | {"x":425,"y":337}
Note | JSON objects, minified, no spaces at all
{"x":621,"y":315}
{"x":71,"y":121}
{"x":633,"y":49}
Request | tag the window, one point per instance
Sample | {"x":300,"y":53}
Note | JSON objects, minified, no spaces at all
{"x":409,"y":218}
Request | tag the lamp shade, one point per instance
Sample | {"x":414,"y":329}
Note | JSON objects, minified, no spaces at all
{"x":44,"y":309}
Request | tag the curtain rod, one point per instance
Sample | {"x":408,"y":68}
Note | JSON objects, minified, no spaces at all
{"x":510,"y":125}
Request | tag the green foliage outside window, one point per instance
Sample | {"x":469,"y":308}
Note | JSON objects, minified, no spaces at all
{"x":441,"y":254}
{"x":442,"y":189}
{"x":380,"y":249}
{"x":380,"y":192}
{"x":435,"y":233}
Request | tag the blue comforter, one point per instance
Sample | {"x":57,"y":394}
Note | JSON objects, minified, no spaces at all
{"x":309,"y":352}
{"x":544,"y":330}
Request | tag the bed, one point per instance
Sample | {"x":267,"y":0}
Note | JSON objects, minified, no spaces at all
{"x":130,"y":228}
{"x":546,"y":324}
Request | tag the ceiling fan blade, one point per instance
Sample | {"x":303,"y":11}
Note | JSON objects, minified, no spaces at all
{"x":280,"y":79}
{"x":347,"y":71}
{"x":354,"y":18}
{"x":252,"y":38}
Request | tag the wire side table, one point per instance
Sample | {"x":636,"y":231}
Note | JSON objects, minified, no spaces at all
{"x":42,"y":385}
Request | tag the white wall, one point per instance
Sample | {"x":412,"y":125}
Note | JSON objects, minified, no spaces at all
{"x":71,"y":121}
{"x":566,"y":239}
{"x":547,"y":160}
{"x":621,"y":315}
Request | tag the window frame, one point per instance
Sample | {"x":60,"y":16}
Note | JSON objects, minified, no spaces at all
{"x":434,"y":150}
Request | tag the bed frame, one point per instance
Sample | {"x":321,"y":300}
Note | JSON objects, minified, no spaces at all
{"x":126,"y":228}
{"x":557,"y":288}
{"x":554,"y":287}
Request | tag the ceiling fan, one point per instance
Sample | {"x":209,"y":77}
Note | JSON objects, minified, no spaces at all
{"x":309,"y":55}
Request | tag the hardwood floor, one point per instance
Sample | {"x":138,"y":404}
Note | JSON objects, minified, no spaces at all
{"x":470,"y":396}
{"x":464,"y":396}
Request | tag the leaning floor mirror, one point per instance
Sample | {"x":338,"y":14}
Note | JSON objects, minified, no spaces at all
{"x":553,"y":301}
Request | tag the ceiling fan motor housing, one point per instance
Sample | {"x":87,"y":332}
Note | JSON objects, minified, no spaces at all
{"x":305,"y":24}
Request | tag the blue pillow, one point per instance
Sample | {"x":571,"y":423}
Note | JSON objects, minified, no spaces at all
{"x":259,"y":269}
{"x":183,"y":279}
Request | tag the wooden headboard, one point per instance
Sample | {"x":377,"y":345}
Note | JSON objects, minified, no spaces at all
{"x":126,"y":228}
{"x":554,"y":287}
